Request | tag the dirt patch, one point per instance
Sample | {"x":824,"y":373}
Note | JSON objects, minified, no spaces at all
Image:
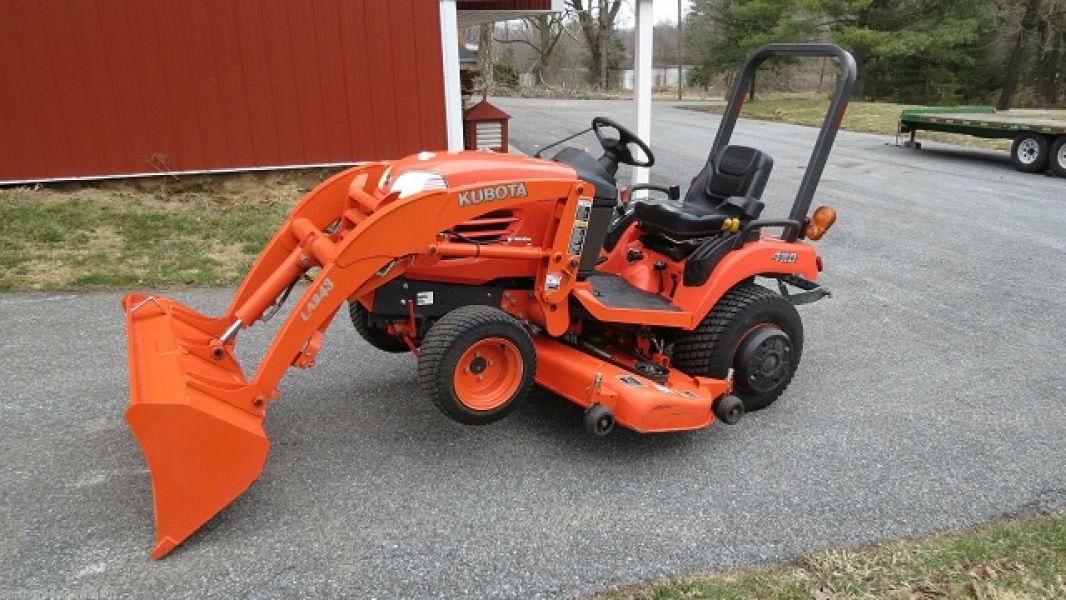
{"x":251,"y":187}
{"x":156,"y":232}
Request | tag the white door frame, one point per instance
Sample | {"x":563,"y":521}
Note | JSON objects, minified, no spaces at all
{"x":453,"y":90}
{"x":642,"y":81}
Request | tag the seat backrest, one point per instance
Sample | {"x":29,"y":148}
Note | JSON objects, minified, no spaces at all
{"x":732,"y":171}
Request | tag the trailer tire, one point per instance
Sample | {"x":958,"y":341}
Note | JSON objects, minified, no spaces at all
{"x":477,"y":364}
{"x":747,"y":320}
{"x":1058,"y":157}
{"x":1029,"y":152}
{"x":375,"y":336}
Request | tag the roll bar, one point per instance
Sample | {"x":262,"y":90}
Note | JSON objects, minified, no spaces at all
{"x":833,"y":118}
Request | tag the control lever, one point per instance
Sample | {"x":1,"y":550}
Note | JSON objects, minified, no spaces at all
{"x":673,"y":192}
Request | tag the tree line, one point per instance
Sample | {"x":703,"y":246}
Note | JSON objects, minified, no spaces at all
{"x":914,"y":51}
{"x":1006,"y":52}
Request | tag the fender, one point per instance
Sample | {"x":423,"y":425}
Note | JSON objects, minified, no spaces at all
{"x":767,"y":256}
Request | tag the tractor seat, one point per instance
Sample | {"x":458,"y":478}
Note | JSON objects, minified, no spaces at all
{"x":730,"y":185}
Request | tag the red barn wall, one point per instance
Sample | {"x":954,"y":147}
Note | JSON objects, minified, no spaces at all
{"x":114,"y":87}
{"x":504,"y":4}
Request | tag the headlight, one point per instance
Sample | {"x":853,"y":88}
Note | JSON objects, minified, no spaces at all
{"x":413,"y":182}
{"x":386,"y":179}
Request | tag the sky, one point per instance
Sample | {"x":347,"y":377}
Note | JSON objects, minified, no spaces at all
{"x":665,"y":10}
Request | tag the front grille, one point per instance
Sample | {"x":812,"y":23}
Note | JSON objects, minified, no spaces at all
{"x":489,"y":227}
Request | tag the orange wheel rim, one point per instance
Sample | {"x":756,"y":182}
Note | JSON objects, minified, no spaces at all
{"x":488,"y":374}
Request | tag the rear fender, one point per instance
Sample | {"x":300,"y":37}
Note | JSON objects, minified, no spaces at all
{"x":762,"y":257}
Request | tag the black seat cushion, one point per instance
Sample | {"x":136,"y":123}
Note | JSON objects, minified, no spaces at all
{"x":672,"y":218}
{"x":734,"y":171}
{"x":729,"y":186}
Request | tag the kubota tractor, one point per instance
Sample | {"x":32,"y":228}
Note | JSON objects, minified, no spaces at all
{"x":499,"y":272}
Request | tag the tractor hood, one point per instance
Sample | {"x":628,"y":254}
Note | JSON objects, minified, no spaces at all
{"x":443,"y":170}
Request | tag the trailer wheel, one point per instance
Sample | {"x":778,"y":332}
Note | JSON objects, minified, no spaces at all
{"x":477,"y":364}
{"x":755,"y":332}
{"x":1029,"y":153}
{"x":1058,"y":157}
{"x":375,"y":336}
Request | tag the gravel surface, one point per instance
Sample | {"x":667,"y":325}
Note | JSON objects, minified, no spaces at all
{"x":930,"y":398}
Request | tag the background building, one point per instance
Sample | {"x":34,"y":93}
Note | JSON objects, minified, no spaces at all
{"x":104,"y":88}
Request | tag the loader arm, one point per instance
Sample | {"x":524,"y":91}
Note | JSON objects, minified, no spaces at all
{"x":196,"y":416}
{"x":322,"y":206}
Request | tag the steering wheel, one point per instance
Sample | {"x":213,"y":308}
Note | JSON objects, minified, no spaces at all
{"x":616,"y":147}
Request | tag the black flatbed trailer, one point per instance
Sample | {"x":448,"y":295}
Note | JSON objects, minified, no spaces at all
{"x":1039,"y":135}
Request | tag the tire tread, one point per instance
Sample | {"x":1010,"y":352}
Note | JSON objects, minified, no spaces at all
{"x":436,"y":381}
{"x":699,"y":352}
{"x":373,"y":335}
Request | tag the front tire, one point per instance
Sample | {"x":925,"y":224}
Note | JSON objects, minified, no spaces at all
{"x":477,"y":364}
{"x":1030,"y":152}
{"x":753,"y":331}
{"x":375,"y":336}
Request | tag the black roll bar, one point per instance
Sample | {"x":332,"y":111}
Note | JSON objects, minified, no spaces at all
{"x":833,"y":118}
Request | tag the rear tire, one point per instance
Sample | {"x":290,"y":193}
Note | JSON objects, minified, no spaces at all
{"x":477,"y":364}
{"x":753,"y":331}
{"x":375,"y":336}
{"x":1030,"y":152}
{"x":1058,"y":157}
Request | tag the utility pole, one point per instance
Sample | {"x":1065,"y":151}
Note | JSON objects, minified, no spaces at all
{"x":680,"y":55}
{"x":604,"y":34}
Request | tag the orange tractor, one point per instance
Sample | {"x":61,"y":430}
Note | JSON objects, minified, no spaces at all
{"x":499,"y":272}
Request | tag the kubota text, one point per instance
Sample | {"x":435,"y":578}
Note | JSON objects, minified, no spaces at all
{"x":493,"y":192}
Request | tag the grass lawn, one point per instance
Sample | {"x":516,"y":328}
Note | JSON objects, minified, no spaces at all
{"x":159,"y":233}
{"x":869,"y":117}
{"x":1009,"y":559}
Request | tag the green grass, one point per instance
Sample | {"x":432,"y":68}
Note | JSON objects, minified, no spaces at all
{"x":1008,"y":559}
{"x":138,"y":236}
{"x":868,"y":117}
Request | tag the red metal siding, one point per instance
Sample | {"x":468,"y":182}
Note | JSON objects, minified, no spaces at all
{"x":110,"y":87}
{"x":504,"y":4}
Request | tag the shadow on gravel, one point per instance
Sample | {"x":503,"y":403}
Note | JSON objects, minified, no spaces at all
{"x":555,"y":420}
{"x":969,"y":155}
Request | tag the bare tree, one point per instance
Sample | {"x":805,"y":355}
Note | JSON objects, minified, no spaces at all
{"x":597,"y":27}
{"x":485,"y":60}
{"x":1050,"y":55}
{"x":543,"y":35}
{"x":1016,"y":62}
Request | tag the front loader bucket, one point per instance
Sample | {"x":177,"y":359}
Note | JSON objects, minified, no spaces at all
{"x":191,"y":410}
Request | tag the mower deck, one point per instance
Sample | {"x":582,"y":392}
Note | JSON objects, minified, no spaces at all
{"x":680,"y":404}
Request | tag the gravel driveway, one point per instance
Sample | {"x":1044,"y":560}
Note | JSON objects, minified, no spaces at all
{"x":930,"y":397}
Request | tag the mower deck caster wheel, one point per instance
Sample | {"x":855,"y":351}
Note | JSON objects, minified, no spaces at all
{"x":599,"y":420}
{"x":729,"y":409}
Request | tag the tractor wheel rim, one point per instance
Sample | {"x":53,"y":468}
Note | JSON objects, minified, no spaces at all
{"x":488,"y":374}
{"x":1061,"y":156}
{"x":764,"y":358}
{"x":1028,"y":151}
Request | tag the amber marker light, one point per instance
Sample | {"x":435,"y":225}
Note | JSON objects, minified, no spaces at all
{"x":823,"y":219}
